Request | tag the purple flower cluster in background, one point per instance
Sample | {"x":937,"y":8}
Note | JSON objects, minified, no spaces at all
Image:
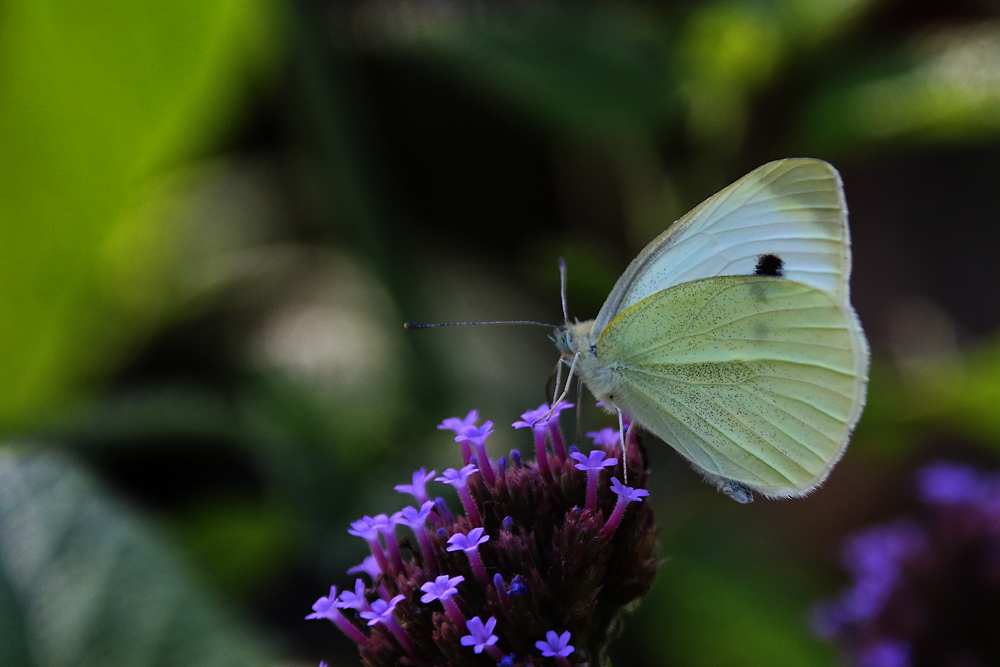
{"x":545,"y":553}
{"x":924,"y":591}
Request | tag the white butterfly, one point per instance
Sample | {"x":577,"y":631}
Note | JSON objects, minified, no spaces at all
{"x":731,"y":336}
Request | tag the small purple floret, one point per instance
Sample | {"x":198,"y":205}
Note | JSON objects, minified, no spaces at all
{"x":458,"y":425}
{"x":555,"y":644}
{"x":626,"y":494}
{"x":481,"y":636}
{"x":381,"y":611}
{"x":368,"y":566}
{"x":460,"y":480}
{"x":417,"y":488}
{"x":476,"y":436}
{"x":441,"y":588}
{"x":455,"y":424}
{"x":470,"y":545}
{"x":596,"y":460}
{"x":326,"y":607}
{"x":355,"y":600}
{"x":606,"y":437}
{"x":593,"y":465}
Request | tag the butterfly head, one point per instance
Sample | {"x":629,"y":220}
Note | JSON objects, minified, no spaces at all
{"x":573,"y":337}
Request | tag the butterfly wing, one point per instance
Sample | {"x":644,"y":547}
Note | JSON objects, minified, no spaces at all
{"x":793,"y":209}
{"x":754,"y":379}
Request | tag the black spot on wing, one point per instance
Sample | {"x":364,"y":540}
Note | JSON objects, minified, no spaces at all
{"x":769,"y":265}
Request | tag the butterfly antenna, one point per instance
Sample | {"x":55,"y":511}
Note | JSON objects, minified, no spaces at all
{"x":419,"y":325}
{"x":562,"y":287}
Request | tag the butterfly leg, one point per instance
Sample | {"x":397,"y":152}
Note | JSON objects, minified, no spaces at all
{"x":565,"y":392}
{"x":621,"y":435}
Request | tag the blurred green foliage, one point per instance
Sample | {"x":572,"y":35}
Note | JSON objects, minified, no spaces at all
{"x":97,"y":104}
{"x":214,"y":216}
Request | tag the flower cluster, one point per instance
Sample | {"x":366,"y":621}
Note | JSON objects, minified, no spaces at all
{"x":536,"y":571}
{"x":925,"y":591}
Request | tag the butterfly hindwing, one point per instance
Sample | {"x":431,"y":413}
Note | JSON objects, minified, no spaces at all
{"x":757,"y":379}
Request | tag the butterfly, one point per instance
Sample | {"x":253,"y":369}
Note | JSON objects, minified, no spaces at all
{"x":732,"y":338}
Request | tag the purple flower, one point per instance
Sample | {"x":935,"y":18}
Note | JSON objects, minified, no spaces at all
{"x":925,"y":589}
{"x":443,"y":588}
{"x":596,"y":460}
{"x":544,"y":421}
{"x":368,"y":566}
{"x":417,"y":488}
{"x":476,"y":436}
{"x":326,"y":607}
{"x":469,"y":541}
{"x":417,"y":522}
{"x":606,"y":437}
{"x":460,"y":480}
{"x":592,"y":465}
{"x":481,"y":636}
{"x":470,"y":545}
{"x":542,"y":545}
{"x":367,"y":528}
{"x":533,"y":418}
{"x":555,"y":644}
{"x":626,"y":494}
{"x":381,"y":611}
{"x":355,"y":600}
{"x":459,"y":425}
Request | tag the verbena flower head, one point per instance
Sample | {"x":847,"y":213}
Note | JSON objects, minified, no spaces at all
{"x":924,"y":590}
{"x":531,"y":563}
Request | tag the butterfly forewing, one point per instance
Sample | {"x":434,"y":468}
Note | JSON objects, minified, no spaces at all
{"x":791,"y":209}
{"x":754,"y":379}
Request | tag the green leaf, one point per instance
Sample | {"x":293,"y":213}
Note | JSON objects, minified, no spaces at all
{"x":94,"y":586}
{"x":98,"y":103}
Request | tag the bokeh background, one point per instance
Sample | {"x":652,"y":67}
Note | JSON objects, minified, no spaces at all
{"x":215,"y":216}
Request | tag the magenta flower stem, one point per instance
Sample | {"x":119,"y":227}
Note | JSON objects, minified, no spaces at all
{"x":541,"y":454}
{"x":379,"y":555}
{"x":394,"y":556}
{"x":615,"y":518}
{"x":592,"y":477}
{"x":453,"y":612}
{"x":470,"y":506}
{"x":426,"y":548}
{"x":479,"y":569}
{"x":561,"y":661}
{"x":557,"y":440}
{"x":403,"y":638}
{"x":350,"y":630}
{"x":466,"y":452}
{"x":484,"y":464}
{"x":495,"y":653}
